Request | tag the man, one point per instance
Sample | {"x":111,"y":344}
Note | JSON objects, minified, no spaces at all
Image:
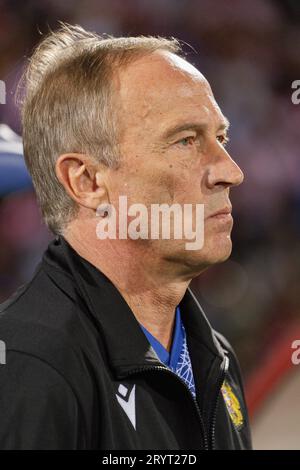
{"x":106,"y":347}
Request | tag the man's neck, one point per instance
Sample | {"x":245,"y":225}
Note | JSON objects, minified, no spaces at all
{"x":156,"y":311}
{"x":151,"y":293}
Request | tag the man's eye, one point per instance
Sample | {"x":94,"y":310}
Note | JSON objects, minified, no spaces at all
{"x":223,"y":139}
{"x":186,"y":141}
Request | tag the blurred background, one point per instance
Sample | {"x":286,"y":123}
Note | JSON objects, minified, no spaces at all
{"x":249,"y":52}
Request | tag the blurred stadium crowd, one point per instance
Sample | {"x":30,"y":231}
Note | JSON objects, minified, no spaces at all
{"x":249,"y":51}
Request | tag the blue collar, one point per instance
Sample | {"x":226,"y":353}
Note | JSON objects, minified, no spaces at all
{"x":169,"y":359}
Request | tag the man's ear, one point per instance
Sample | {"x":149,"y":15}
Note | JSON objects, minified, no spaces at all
{"x":82,"y":179}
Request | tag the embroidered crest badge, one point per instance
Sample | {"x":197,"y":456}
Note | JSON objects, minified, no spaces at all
{"x":233,"y":405}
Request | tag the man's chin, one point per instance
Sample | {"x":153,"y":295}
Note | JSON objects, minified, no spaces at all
{"x":194,"y":262}
{"x":210,"y":255}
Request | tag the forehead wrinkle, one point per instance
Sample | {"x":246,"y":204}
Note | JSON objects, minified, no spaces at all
{"x":144,"y":108}
{"x":166,"y":101}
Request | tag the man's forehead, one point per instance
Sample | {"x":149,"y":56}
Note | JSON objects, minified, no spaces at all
{"x":162,"y":85}
{"x":181,"y":65}
{"x":161,"y":73}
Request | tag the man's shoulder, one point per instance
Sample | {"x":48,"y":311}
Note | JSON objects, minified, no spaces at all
{"x":45,"y":325}
{"x":44,"y":301}
{"x":43,"y":318}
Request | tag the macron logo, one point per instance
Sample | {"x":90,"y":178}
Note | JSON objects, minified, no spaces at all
{"x":126,"y":398}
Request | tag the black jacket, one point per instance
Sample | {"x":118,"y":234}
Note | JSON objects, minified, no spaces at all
{"x":80,"y":373}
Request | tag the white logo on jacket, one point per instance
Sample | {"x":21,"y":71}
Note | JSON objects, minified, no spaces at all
{"x":126,"y":398}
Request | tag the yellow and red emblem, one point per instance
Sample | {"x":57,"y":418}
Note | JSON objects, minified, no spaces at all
{"x":233,"y":405}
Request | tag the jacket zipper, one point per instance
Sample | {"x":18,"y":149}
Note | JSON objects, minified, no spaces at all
{"x":214,"y":416}
{"x":142,"y":369}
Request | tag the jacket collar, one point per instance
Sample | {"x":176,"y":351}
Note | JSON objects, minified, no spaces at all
{"x":126,"y":345}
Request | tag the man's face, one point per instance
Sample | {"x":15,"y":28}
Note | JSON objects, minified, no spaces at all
{"x":172,"y":151}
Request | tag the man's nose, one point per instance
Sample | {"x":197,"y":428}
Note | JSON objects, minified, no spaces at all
{"x":223,"y":170}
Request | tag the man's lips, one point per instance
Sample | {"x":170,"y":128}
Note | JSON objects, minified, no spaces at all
{"x":224,"y":213}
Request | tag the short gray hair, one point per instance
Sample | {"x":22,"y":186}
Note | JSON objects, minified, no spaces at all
{"x":67,"y":106}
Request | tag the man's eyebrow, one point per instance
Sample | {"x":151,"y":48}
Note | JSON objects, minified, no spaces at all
{"x":195,"y":126}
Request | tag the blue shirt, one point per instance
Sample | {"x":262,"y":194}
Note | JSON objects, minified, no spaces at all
{"x":178,"y":360}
